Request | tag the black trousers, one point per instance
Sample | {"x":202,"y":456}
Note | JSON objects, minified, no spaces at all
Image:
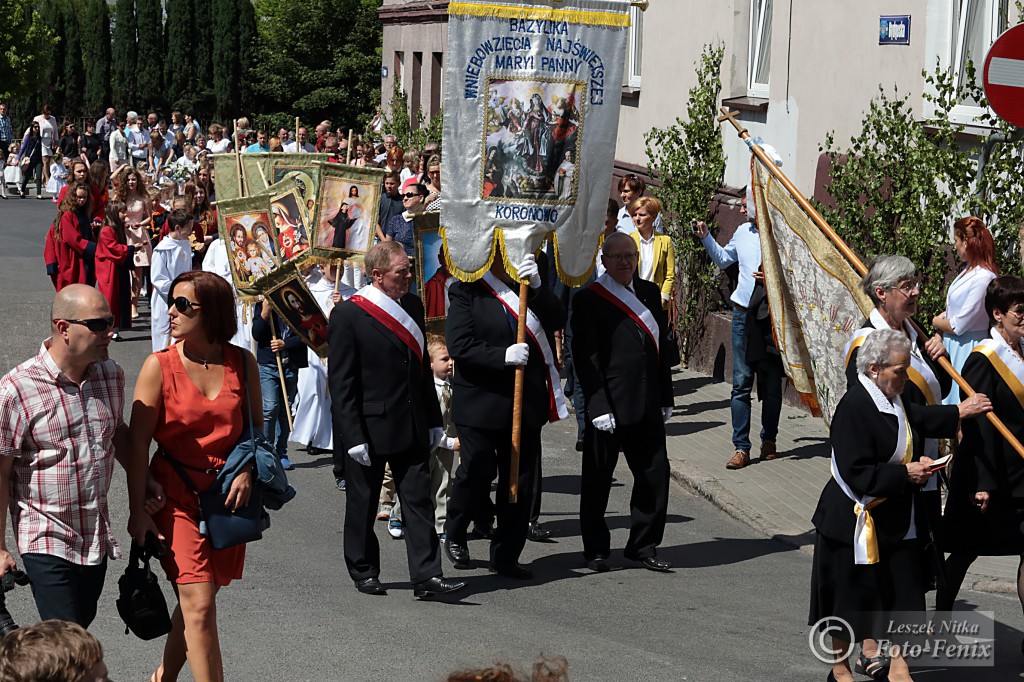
{"x":644,"y":447}
{"x":412,"y":476}
{"x":339,"y":455}
{"x":538,"y":489}
{"x":63,"y":590}
{"x":486,"y":453}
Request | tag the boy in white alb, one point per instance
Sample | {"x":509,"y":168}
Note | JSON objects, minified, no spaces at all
{"x":171,"y":257}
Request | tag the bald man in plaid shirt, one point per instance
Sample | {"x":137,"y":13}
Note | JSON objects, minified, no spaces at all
{"x":61,"y":427}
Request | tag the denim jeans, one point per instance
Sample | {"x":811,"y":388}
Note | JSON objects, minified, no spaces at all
{"x":743,"y":383}
{"x":275,"y":421}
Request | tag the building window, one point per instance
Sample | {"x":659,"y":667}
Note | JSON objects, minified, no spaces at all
{"x":634,"y":49}
{"x":976,"y":25}
{"x":400,"y":70}
{"x":760,"y":48}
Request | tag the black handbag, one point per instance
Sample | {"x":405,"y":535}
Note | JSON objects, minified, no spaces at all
{"x":223,"y":527}
{"x":141,"y":603}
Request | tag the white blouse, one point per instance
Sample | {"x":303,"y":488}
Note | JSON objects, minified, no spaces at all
{"x":965,"y":301}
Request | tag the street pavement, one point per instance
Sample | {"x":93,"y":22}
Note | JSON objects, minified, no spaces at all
{"x":735,"y":608}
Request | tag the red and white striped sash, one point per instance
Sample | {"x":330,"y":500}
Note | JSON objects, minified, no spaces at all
{"x":626,"y":301}
{"x":387,"y":311}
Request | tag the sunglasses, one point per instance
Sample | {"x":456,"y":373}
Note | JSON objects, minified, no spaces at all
{"x":410,"y":195}
{"x":181,"y":304}
{"x":93,"y":324}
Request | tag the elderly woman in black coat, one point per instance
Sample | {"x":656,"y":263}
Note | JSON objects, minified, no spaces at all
{"x":868,"y":556}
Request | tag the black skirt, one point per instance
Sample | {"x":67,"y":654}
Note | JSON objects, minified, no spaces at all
{"x":864,"y":595}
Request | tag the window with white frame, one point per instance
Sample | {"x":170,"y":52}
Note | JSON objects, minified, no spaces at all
{"x":634,"y":49}
{"x":760,"y":53}
{"x":975,"y":26}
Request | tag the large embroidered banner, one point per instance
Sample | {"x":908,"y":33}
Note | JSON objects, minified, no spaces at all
{"x":531,"y":112}
{"x":813,"y":292}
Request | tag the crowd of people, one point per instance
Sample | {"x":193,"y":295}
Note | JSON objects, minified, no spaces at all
{"x":420,"y":426}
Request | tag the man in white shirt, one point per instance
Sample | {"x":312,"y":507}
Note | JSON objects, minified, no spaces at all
{"x":303,"y":146}
{"x":745,"y":249}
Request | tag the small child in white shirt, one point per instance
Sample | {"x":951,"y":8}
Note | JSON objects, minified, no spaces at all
{"x":442,"y":458}
{"x":59,"y":170}
{"x":171,"y":257}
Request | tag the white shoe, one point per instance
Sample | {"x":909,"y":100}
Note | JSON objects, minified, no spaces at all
{"x":395,"y":528}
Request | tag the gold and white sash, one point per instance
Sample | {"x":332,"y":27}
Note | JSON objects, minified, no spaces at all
{"x":865,"y":542}
{"x":510,"y":299}
{"x":387,"y":311}
{"x":1007,"y":364}
{"x":624,"y":299}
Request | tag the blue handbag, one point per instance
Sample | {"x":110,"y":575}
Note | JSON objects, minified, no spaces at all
{"x":223,"y":527}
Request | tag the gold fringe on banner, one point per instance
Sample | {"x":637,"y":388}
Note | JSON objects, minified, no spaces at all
{"x":572,"y":16}
{"x":497,"y":240}
{"x":569,"y":280}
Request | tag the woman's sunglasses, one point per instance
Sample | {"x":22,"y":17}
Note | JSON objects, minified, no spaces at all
{"x":181,"y":304}
{"x":93,"y":324}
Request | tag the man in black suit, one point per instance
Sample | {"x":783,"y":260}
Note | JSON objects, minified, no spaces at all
{"x":619,"y":344}
{"x":481,"y":334}
{"x":385,"y":407}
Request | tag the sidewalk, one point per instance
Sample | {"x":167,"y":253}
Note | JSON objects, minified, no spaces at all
{"x":775,"y":498}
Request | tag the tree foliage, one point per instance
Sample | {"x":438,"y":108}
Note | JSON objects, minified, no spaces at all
{"x":688,"y":159}
{"x":74,"y":67}
{"x":149,"y":15}
{"x":96,"y":55}
{"x":25,"y":40}
{"x":124,"y":57}
{"x":899,"y":186}
{"x":179,"y":71}
{"x":318,"y":59}
{"x":399,"y":119}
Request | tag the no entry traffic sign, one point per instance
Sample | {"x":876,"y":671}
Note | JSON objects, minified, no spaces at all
{"x":1004,"y":76}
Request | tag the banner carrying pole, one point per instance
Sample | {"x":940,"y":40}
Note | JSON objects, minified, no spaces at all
{"x":348,"y":150}
{"x":280,"y":371}
{"x":298,"y":150}
{"x":337,"y":273}
{"x":854,"y":260}
{"x":517,"y":399}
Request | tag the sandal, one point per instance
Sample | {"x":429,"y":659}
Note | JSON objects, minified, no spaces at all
{"x":876,"y":667}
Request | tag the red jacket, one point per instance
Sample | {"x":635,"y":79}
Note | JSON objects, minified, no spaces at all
{"x":50,"y":252}
{"x":75,"y":252}
{"x":111,"y":255}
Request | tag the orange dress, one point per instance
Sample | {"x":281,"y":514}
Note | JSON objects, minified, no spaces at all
{"x":197,"y":432}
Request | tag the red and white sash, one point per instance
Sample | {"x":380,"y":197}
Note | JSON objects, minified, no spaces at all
{"x":626,"y":301}
{"x":510,"y":299}
{"x":387,"y":311}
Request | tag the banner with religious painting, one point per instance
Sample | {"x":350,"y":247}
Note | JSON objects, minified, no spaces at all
{"x":291,"y":224}
{"x":245,"y":226}
{"x":287,"y":292}
{"x":432,"y":276}
{"x":346,"y":209}
{"x":307,"y":173}
{"x":532,"y":96}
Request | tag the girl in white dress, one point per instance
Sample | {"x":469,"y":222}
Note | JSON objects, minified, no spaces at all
{"x":964,"y":323}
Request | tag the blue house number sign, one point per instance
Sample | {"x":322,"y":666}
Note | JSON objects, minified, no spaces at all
{"x":894,"y":30}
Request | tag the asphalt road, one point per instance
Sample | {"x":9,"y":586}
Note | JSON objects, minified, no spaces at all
{"x":734,"y":609}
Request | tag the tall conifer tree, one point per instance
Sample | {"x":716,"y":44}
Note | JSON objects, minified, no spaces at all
{"x":74,"y":69}
{"x":151,"y":58}
{"x":52,"y":91}
{"x":226,"y":74}
{"x":179,"y":74}
{"x":124,"y":57}
{"x":96,"y":53}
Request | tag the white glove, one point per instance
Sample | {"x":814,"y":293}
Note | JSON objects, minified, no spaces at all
{"x":435,"y":435}
{"x":361,"y":454}
{"x":528,"y":270}
{"x":666,"y":414}
{"x":606,"y":422}
{"x":517,"y":354}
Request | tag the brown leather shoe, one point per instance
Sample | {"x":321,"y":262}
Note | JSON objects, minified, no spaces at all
{"x":768,"y":451}
{"x":739,"y":460}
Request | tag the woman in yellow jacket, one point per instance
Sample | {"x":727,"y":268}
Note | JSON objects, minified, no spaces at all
{"x":657,"y":255}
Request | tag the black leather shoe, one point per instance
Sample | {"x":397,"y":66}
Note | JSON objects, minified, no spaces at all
{"x":537,"y":533}
{"x":579,"y":446}
{"x":653,"y":563}
{"x":517,"y":571}
{"x":435,"y":586}
{"x":459,"y":554}
{"x":599,"y":564}
{"x":370,"y":586}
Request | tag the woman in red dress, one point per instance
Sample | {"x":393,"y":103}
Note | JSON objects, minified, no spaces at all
{"x":75,"y":248}
{"x":112,"y":255}
{"x":191,"y":399}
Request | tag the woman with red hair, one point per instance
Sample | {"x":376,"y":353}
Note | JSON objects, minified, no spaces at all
{"x":964,"y":323}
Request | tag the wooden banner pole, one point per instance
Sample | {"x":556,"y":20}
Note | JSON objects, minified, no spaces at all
{"x":348,"y":150}
{"x":297,"y":148}
{"x":517,"y":399}
{"x":856,"y":262}
{"x":280,"y":371}
{"x":238,"y":160}
{"x":337,"y":273}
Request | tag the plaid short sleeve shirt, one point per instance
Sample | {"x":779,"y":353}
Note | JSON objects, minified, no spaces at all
{"x":60,"y":435}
